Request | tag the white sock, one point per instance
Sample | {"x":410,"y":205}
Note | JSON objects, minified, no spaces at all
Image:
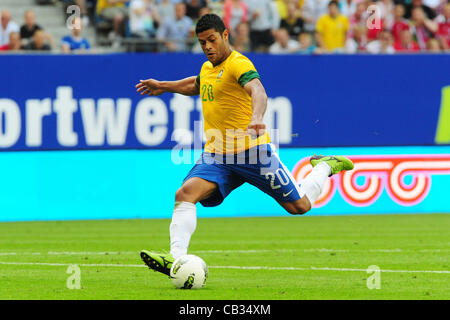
{"x":313,"y":184}
{"x":184,"y":222}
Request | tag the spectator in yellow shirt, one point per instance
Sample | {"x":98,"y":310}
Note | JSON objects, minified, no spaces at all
{"x":331,"y":29}
{"x":114,"y":11}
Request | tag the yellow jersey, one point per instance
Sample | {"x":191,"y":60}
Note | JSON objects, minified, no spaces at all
{"x":102,"y":4}
{"x":333,"y":31}
{"x":227,"y":107}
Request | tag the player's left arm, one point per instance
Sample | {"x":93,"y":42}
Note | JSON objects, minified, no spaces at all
{"x":259,"y":104}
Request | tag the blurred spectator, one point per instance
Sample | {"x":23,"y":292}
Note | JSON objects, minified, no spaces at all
{"x":386,"y":11}
{"x":83,"y":11}
{"x":143,"y":18}
{"x":419,"y":3}
{"x":331,"y":29}
{"x":28,"y":29}
{"x":382,"y":45}
{"x":197,"y":48}
{"x":433,"y":4}
{"x":422,"y":28}
{"x":38,"y":43}
{"x":193,"y":8}
{"x":312,"y":10}
{"x":433,"y":46}
{"x":400,"y":23}
{"x":359,"y":17}
{"x":406,"y":43}
{"x":440,"y":8}
{"x":293,"y":23}
{"x":115,"y":12}
{"x":166,"y":9}
{"x":441,"y":12}
{"x":282,"y":7}
{"x":174,"y":33}
{"x":358,"y":42}
{"x":14,"y":43}
{"x":241,"y":41}
{"x":202,"y":12}
{"x":216,"y":7}
{"x":306,"y":44}
{"x":347,"y":7}
{"x":234,"y":12}
{"x":264,"y":21}
{"x":443,"y":33}
{"x":6,"y":27}
{"x":75,"y":42}
{"x":283,"y":43}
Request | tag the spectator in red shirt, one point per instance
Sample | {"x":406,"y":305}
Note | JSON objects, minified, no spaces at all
{"x":443,"y":33}
{"x":400,"y":23}
{"x":422,"y":28}
{"x":14,"y":43}
{"x":406,"y":43}
{"x":359,"y":17}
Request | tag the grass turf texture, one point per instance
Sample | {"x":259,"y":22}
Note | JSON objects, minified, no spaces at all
{"x":392,"y":242}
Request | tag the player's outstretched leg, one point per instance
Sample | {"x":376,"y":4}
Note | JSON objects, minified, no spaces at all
{"x":323,"y":167}
{"x":336,"y":163}
{"x":311,"y":187}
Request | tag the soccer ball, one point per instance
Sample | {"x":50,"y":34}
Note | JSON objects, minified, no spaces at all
{"x":189,"y":272}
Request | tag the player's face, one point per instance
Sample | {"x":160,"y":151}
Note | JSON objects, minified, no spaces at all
{"x":214,"y":45}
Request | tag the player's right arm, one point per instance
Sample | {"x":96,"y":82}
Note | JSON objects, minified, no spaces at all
{"x":187,"y":86}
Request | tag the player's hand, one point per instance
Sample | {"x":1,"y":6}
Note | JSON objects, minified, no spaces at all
{"x":256,"y":128}
{"x":150,"y":87}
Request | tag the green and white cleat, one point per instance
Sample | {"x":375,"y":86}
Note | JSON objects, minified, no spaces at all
{"x":336,"y":163}
{"x":161,"y":262}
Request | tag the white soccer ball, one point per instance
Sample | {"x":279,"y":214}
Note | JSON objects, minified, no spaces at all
{"x":189,"y":272}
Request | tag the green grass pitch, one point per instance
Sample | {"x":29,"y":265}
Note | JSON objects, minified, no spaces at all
{"x":249,"y":258}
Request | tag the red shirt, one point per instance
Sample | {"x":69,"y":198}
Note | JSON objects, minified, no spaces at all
{"x":5,"y":47}
{"x":444,"y":31}
{"x":397,"y":28}
{"x":412,"y":47}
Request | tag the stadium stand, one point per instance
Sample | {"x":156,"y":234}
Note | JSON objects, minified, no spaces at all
{"x":343,"y":26}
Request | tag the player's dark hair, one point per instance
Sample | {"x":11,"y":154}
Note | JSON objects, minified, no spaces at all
{"x":333,"y":2}
{"x":210,"y":21}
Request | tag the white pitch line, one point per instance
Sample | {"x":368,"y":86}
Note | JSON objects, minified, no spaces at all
{"x":226,"y":267}
{"x":69,"y":264}
{"x":56,"y":253}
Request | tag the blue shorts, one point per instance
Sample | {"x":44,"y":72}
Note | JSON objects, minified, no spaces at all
{"x":259,"y":166}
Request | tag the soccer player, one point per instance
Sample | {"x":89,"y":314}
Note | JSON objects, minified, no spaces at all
{"x":238,"y":148}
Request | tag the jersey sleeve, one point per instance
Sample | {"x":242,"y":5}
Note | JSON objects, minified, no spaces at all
{"x":244,"y":71}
